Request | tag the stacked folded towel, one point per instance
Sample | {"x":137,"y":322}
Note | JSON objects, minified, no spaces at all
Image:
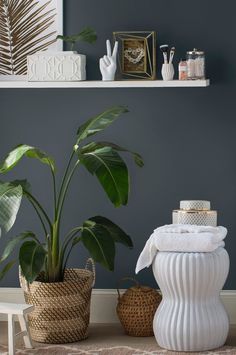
{"x":181,"y":238}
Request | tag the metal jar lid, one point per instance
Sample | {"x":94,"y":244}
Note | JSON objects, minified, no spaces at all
{"x":196,"y":52}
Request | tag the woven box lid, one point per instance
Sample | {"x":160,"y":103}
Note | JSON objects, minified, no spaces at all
{"x":198,"y":205}
{"x":196,"y":212}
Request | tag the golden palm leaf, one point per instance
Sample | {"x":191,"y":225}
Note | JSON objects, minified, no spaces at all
{"x":24,"y":31}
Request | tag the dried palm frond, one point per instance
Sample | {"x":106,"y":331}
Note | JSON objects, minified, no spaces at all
{"x":24,"y":31}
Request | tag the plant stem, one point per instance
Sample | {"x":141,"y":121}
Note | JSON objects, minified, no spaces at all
{"x":56,"y":264}
{"x":64,"y":179}
{"x":31,"y":197}
{"x":39,"y":215}
{"x":56,"y":255}
{"x":71,"y":234}
{"x":54,"y":193}
{"x":55,"y":245}
{"x":63,"y":195}
{"x":67,"y":257}
{"x":68,"y":254}
{"x":48,"y":266}
{"x":69,"y":237}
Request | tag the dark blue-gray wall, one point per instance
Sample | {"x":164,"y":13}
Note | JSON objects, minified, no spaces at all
{"x":186,"y":136}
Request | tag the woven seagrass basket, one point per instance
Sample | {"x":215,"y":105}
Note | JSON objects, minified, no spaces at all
{"x":136,"y":309}
{"x":62,"y":309}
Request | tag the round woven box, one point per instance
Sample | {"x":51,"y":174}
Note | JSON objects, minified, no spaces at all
{"x":62,"y":309}
{"x":136,"y":309}
{"x":200,"y":218}
{"x":197,"y":212}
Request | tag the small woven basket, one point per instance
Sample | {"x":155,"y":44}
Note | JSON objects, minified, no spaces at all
{"x":136,"y":309}
{"x":62,"y":309}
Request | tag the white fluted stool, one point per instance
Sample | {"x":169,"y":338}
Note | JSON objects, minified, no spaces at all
{"x":21,"y":311}
{"x":191,"y":316}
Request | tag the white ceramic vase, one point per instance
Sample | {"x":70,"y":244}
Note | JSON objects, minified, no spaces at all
{"x":56,"y":66}
{"x":167,"y":72}
{"x":191,"y":316}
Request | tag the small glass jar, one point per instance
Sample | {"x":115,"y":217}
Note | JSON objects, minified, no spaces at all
{"x":196,"y":64}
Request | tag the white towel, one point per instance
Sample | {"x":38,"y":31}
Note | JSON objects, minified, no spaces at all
{"x":181,"y":238}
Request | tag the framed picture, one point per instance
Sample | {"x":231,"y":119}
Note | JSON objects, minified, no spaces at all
{"x":137,"y":54}
{"x":57,"y":25}
{"x":38,"y":24}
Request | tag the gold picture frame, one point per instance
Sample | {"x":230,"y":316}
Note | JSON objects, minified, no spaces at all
{"x":137,"y":54}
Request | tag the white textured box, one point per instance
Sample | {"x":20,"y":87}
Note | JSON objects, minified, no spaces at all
{"x":56,"y":66}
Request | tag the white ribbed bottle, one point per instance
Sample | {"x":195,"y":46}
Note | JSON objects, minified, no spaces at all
{"x":191,"y":316}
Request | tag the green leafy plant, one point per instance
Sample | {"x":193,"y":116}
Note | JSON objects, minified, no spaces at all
{"x":98,"y":234}
{"x":86,"y":35}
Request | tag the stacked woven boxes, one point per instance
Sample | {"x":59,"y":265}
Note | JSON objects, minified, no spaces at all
{"x":195,"y":212}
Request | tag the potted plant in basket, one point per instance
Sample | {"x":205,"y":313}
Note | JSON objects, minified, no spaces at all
{"x":62,"y":296}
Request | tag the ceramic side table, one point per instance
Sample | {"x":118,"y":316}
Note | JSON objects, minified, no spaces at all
{"x":191,"y":316}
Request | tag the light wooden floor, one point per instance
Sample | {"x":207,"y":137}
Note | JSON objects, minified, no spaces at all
{"x":110,"y":334}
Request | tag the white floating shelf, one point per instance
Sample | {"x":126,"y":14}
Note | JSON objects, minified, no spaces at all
{"x":22,"y":84}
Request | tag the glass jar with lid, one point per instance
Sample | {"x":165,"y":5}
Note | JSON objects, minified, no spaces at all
{"x":196,"y":64}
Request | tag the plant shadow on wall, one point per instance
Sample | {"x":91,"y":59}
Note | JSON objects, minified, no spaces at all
{"x":98,"y":234}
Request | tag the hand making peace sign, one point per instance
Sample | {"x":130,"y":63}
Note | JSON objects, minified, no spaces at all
{"x":108,"y":64}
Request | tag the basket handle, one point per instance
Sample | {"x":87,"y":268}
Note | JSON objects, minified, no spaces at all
{"x":125,"y":279}
{"x":91,"y":264}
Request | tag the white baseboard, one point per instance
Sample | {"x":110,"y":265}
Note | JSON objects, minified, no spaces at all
{"x":103,"y":305}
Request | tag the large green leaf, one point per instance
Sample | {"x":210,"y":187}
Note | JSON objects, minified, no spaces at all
{"x":100,"y":122}
{"x":32,"y":258}
{"x":12,"y":244}
{"x":94,"y":145}
{"x":86,"y":35}
{"x":19,"y":152}
{"x":10,"y":200}
{"x":6,"y":268}
{"x":23,"y":183}
{"x":111,"y":172}
{"x":100,"y":244}
{"x":118,"y":235}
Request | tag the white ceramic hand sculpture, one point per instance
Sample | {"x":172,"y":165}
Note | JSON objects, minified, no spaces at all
{"x":108,"y":64}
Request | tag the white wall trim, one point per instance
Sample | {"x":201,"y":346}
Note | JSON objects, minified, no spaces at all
{"x":104,"y":301}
